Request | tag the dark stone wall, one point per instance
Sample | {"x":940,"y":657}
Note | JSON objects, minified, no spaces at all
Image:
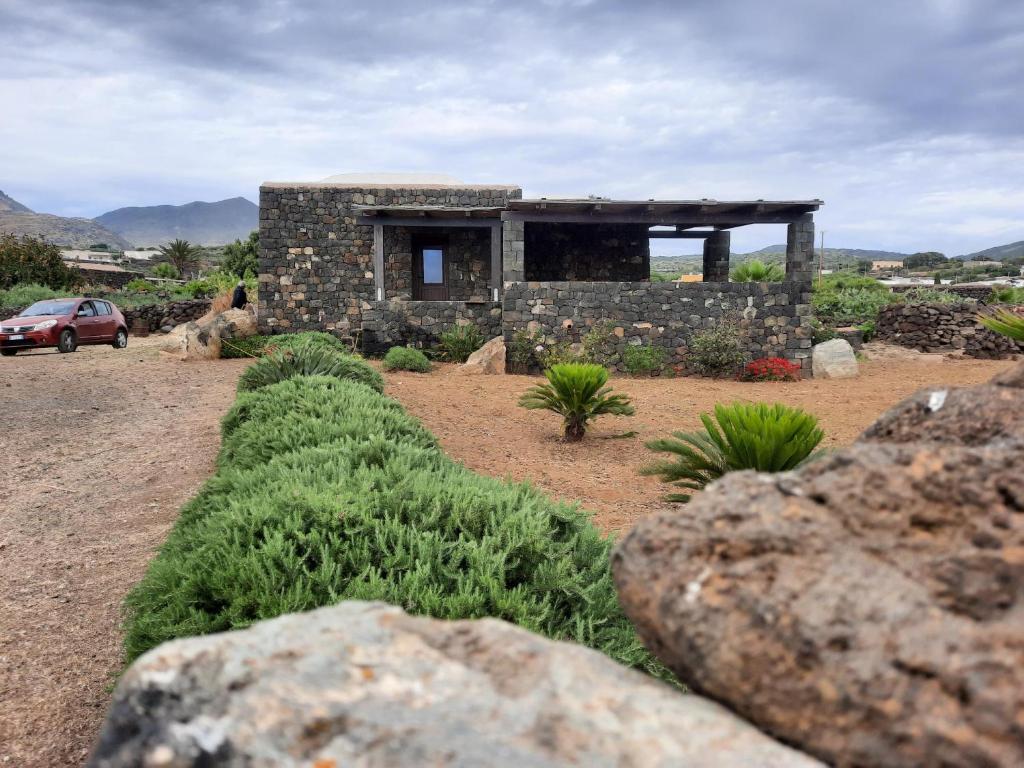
{"x":420,"y":323}
{"x":967,"y":290}
{"x":316,"y":263}
{"x":173,"y":313}
{"x":586,"y":252}
{"x":941,"y":328}
{"x":775,"y":316}
{"x":106,"y":277}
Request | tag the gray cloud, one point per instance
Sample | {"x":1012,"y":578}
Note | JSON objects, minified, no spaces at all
{"x":906,"y":117}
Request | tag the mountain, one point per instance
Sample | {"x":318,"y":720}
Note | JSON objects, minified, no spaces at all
{"x":997,"y":253}
{"x":10,"y":205}
{"x":70,"y":233}
{"x":834,"y":257}
{"x":199,"y":223}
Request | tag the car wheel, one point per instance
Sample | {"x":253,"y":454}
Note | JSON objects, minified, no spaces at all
{"x":8,"y":352}
{"x":67,"y":341}
{"x":121,"y":339}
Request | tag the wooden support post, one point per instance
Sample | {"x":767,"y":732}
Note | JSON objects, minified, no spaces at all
{"x":378,"y":261}
{"x":496,"y":279}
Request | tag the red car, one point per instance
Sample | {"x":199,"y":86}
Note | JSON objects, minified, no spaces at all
{"x":64,"y":324}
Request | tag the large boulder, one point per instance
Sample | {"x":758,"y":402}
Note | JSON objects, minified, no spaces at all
{"x":490,"y":358}
{"x":202,"y":339}
{"x":868,"y":607}
{"x":833,"y":359}
{"x":365,"y":684}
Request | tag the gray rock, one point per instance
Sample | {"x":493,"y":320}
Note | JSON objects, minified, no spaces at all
{"x":833,"y":359}
{"x":365,"y":684}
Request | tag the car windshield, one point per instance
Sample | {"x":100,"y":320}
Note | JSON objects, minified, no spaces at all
{"x":48,"y":308}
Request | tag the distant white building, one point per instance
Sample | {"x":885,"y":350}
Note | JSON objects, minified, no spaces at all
{"x":141,"y":255}
{"x":98,"y":257}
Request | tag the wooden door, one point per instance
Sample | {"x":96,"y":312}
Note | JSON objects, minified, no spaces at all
{"x":430,"y":270}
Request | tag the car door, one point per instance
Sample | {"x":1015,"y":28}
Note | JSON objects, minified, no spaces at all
{"x":106,"y":326}
{"x":85,"y":321}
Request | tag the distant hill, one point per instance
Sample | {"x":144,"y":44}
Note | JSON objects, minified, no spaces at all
{"x":10,"y":205}
{"x":71,"y":233}
{"x":200,"y":223}
{"x":997,"y":253}
{"x":834,"y":258}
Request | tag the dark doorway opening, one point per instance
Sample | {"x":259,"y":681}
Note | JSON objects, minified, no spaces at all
{"x":430,"y":268}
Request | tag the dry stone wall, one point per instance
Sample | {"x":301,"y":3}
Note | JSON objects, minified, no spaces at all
{"x":316,"y":263}
{"x":157,"y":316}
{"x":585,"y":252}
{"x":775,"y":316}
{"x":420,"y":323}
{"x":942,"y":328}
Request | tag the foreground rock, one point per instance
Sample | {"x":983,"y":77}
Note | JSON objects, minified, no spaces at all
{"x":203,"y":339}
{"x":490,"y":358}
{"x":833,"y":359}
{"x":365,"y":684}
{"x":867,"y":607}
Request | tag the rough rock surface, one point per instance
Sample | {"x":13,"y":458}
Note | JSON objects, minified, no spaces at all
{"x":833,"y":359}
{"x":364,"y":684}
{"x":490,"y":358}
{"x":868,"y":607}
{"x":201,"y":340}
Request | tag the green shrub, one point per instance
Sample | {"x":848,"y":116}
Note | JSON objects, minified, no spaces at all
{"x":550,"y":354}
{"x":166,"y":271}
{"x":757,"y":271}
{"x":854,"y":305}
{"x":370,"y":510}
{"x":643,"y":360}
{"x":1006,"y":295}
{"x":307,"y":361}
{"x":198,"y":289}
{"x":923,"y":295}
{"x":406,"y":359}
{"x":460,"y":342}
{"x":868,"y":330}
{"x":522,"y":350}
{"x":577,"y":392}
{"x":717,"y":351}
{"x":23,"y":295}
{"x":599,"y":344}
{"x":138,"y":285}
{"x":821,"y":332}
{"x":306,"y":339}
{"x":33,"y":260}
{"x":767,"y":438}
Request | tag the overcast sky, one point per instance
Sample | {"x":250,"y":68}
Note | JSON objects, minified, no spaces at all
{"x":905,"y":116}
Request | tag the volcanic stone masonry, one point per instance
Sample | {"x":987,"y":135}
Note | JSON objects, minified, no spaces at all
{"x":775,"y":316}
{"x":316,"y":263}
{"x":943,"y":327}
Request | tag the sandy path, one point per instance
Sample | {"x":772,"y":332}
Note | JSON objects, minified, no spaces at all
{"x":477,"y":422}
{"x":99,"y":449}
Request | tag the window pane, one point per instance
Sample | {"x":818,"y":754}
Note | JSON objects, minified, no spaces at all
{"x":433,"y":266}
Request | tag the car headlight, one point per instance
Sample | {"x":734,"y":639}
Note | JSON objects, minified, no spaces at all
{"x":44,"y":325}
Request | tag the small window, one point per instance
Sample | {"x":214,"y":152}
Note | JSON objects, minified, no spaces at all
{"x":433,"y":266}
{"x":102,"y":308}
{"x":85,"y":310}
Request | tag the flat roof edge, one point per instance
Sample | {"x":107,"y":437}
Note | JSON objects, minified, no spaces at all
{"x":347,"y":185}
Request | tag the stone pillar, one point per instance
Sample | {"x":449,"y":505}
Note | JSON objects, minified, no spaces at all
{"x":716,"y":257}
{"x":513,"y":236}
{"x":800,"y":250}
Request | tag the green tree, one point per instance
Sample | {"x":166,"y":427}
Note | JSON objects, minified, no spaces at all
{"x":924,"y":259}
{"x":28,"y":259}
{"x":181,"y":254}
{"x":577,"y":392}
{"x":243,"y":258}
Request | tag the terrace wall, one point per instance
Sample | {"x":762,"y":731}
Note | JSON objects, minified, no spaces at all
{"x":387,"y":324}
{"x":775,"y":316}
{"x":943,"y":328}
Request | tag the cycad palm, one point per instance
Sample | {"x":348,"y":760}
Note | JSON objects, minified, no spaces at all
{"x":768,"y":438}
{"x":757,"y":271}
{"x":577,"y":392}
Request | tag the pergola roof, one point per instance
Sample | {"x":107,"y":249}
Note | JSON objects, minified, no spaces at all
{"x":385,"y":212}
{"x":723,"y":213}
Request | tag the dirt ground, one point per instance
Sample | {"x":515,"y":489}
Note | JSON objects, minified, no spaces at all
{"x":99,"y":448}
{"x":102,"y":447}
{"x":477,"y":421}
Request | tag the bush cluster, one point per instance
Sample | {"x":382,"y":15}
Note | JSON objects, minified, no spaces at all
{"x":406,"y":359}
{"x":328,"y":491}
{"x":24,"y":295}
{"x":643,"y":359}
{"x":310,"y":360}
{"x":458,"y":343}
{"x":29,"y":259}
{"x":717,"y":351}
{"x":771,"y":369}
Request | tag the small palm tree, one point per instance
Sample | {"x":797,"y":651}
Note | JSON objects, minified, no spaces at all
{"x":1005,"y":322}
{"x":181,"y":253}
{"x":577,"y":392}
{"x":757,"y":271}
{"x":768,"y":438}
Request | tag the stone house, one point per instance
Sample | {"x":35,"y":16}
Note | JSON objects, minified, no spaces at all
{"x":397,"y":264}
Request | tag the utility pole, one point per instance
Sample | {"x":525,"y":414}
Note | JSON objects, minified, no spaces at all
{"x":821,"y":257}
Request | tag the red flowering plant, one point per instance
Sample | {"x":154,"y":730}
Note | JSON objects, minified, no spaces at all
{"x":771,"y":369}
